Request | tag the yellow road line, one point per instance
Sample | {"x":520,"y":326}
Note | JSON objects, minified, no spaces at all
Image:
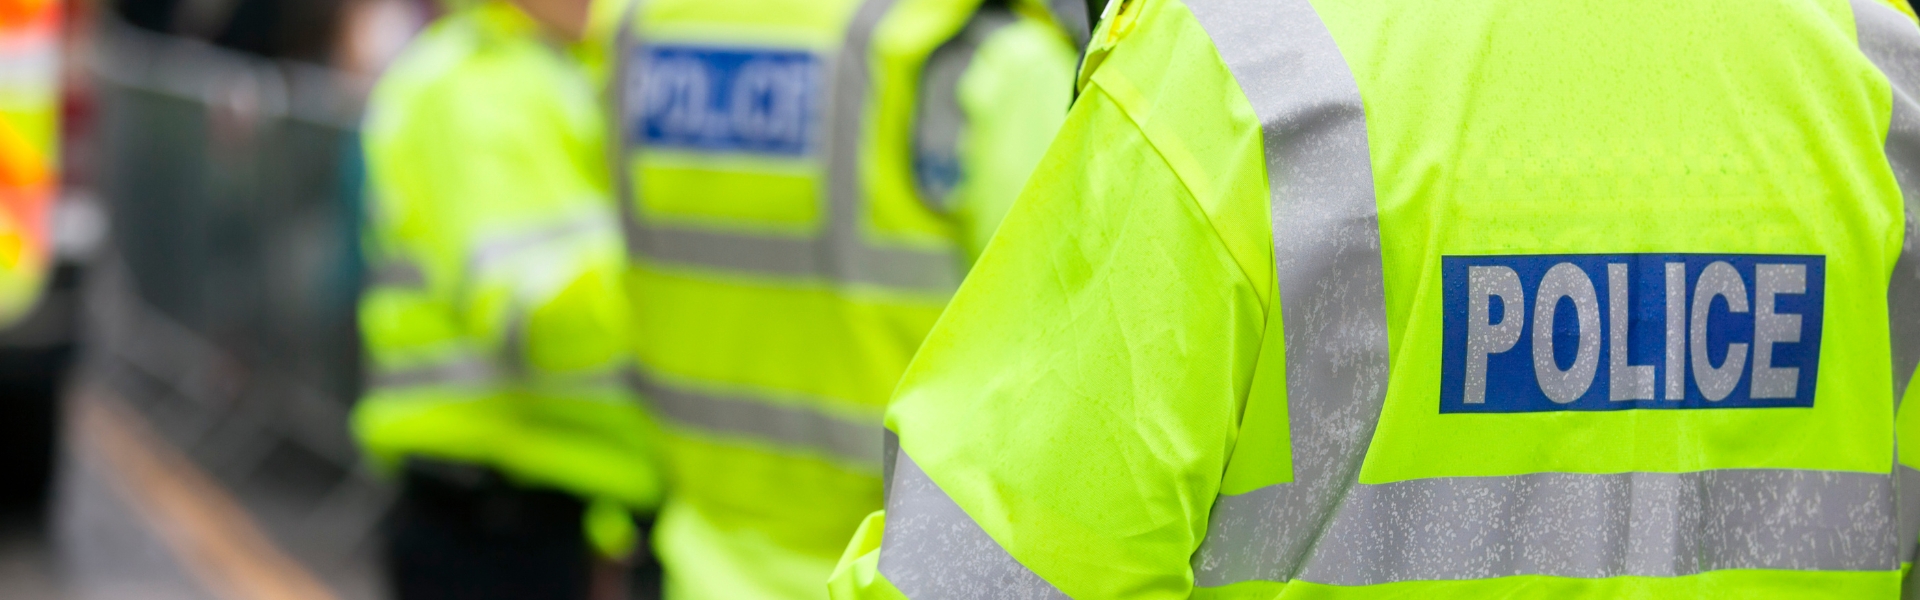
{"x":207,"y":531}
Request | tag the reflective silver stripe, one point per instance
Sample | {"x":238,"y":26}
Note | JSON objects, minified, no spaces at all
{"x":1906,"y":482}
{"x":846,"y":194}
{"x":397,"y":273}
{"x":470,"y":371}
{"x":1327,"y":254}
{"x":939,"y":118}
{"x":842,"y":252}
{"x":932,"y":549}
{"x":459,"y":371}
{"x":499,"y":250}
{"x":795,"y":257}
{"x":841,"y":437}
{"x":629,"y":73}
{"x":1589,"y":526}
{"x":1892,"y":42}
{"x":490,"y":252}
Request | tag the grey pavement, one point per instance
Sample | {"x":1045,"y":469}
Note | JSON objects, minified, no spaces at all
{"x":91,"y":544}
{"x":102,"y":548}
{"x":26,"y":564}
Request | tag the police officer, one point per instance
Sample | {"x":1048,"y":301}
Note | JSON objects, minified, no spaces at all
{"x":1483,"y":298}
{"x":804,"y":183}
{"x":495,"y":325}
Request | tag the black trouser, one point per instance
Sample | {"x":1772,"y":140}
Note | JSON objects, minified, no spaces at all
{"x":462,"y":532}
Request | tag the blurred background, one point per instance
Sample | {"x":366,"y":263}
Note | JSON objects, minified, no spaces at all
{"x":173,"y":408}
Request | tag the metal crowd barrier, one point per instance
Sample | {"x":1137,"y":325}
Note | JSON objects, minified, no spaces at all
{"x":222,"y":305}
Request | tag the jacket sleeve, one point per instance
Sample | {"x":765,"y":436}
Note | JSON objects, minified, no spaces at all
{"x":1890,"y":39}
{"x":1065,"y":427}
{"x":509,"y":214}
{"x":410,"y":331}
{"x":497,"y":317}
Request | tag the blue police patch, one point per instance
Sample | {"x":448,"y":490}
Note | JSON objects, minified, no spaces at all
{"x":1623,"y":331}
{"x":725,"y":100}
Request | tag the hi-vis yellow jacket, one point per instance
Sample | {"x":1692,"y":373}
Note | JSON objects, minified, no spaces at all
{"x":495,"y":324}
{"x":1411,"y":299}
{"x":804,"y":183}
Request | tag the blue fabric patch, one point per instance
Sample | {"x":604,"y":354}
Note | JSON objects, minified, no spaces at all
{"x":725,"y":100}
{"x":936,"y":172}
{"x":1746,"y":333}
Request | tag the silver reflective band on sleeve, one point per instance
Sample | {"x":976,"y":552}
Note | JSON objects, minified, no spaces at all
{"x":1906,"y":482}
{"x":919,"y":270}
{"x":396,"y":273}
{"x":840,"y":437}
{"x":1326,"y":238}
{"x":1890,"y":40}
{"x":840,"y":253}
{"x":463,"y":371}
{"x":492,"y":251}
{"x":933,"y":550}
{"x":1577,"y":525}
